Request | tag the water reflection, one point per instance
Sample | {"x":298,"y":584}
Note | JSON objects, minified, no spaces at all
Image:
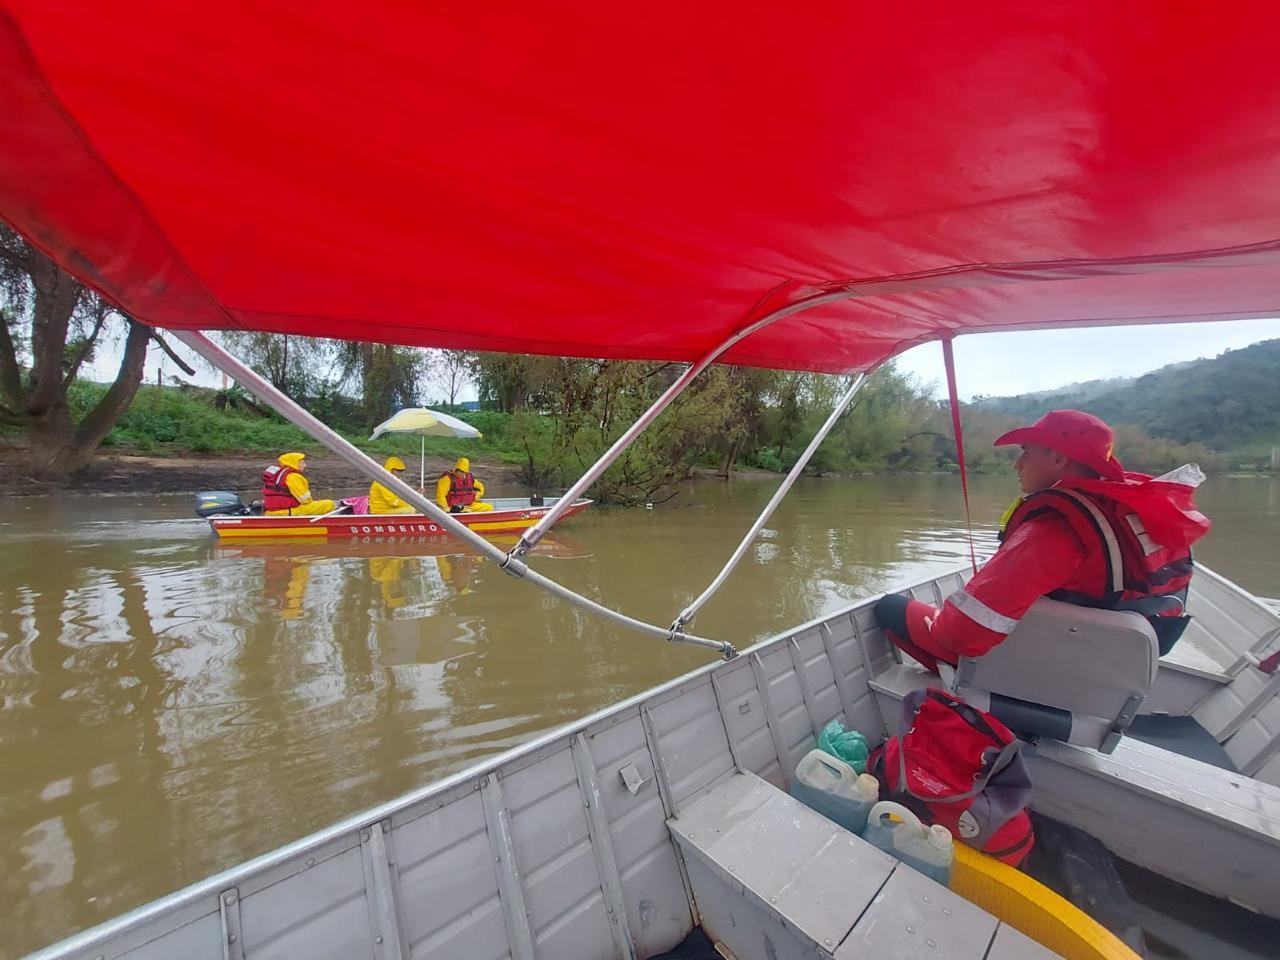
{"x":170,"y":706}
{"x":284,"y":585}
{"x":86,"y":674}
{"x":414,"y":575}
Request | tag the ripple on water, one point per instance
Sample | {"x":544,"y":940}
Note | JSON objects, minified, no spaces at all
{"x":169,"y":708}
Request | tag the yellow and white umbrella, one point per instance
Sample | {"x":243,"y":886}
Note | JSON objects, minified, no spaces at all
{"x":425,"y":423}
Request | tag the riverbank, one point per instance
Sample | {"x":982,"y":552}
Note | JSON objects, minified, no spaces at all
{"x":122,"y":473}
{"x":118,"y":473}
{"x":133,"y":471}
{"x":125,"y":472}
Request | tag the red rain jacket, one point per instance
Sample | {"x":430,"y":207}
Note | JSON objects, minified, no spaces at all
{"x":1049,"y":548}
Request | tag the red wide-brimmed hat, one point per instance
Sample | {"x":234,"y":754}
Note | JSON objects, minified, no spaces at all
{"x":1079,"y":436}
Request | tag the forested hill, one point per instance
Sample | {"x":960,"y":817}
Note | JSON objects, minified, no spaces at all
{"x":1228,"y":403}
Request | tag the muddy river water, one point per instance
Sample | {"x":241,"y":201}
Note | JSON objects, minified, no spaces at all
{"x":170,"y":707}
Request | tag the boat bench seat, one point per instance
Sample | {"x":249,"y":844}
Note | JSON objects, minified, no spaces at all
{"x":774,"y":880}
{"x":1066,"y":672}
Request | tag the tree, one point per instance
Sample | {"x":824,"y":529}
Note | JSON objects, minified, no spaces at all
{"x":590,"y":403}
{"x":790,"y":410}
{"x":387,"y":375}
{"x":55,"y":323}
{"x":510,"y":381}
{"x":451,"y":370}
{"x":290,"y":364}
{"x":749,"y":387}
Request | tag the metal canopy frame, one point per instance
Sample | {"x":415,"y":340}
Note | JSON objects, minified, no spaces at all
{"x":535,"y":533}
{"x":688,"y":613}
{"x":513,"y":562}
{"x":297,"y":415}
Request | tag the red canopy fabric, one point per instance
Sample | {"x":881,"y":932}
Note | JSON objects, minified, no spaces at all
{"x":640,"y":181}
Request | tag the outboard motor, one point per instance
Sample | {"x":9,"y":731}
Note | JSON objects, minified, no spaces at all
{"x":220,"y":503}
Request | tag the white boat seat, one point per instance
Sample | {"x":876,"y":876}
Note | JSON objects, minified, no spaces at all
{"x":1066,"y":672}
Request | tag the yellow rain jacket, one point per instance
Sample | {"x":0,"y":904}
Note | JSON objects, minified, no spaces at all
{"x":445,"y":484}
{"x":300,"y":487}
{"x":382,"y":500}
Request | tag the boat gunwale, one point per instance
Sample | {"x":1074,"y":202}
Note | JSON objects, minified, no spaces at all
{"x":253,"y":874}
{"x":1137,"y":775}
{"x":349,"y":827}
{"x":348,"y":526}
{"x":1260,"y":604}
{"x":231,"y":519}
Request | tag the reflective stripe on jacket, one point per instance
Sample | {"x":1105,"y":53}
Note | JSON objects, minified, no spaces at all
{"x":1069,"y":545}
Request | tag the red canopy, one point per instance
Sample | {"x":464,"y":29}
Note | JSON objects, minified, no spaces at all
{"x":640,"y":181}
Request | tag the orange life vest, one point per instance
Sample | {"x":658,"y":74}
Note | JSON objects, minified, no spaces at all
{"x":275,"y":492}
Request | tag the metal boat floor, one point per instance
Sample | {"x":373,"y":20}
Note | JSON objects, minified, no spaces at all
{"x":1181,"y":924}
{"x":696,"y":946}
{"x":1183,"y":736}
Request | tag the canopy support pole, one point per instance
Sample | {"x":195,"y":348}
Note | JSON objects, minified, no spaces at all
{"x":953,"y":399}
{"x":295,"y":414}
{"x":689,"y":612}
{"x":422,"y":465}
{"x":535,"y":533}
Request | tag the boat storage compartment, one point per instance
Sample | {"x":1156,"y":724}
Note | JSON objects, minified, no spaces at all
{"x":774,"y":880}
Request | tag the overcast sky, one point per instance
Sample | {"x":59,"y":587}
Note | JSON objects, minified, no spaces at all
{"x":995,"y":364}
{"x":1005,"y":364}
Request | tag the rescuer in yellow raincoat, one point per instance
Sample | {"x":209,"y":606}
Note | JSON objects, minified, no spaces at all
{"x":382,"y":500}
{"x":286,"y":492}
{"x":459,"y":492}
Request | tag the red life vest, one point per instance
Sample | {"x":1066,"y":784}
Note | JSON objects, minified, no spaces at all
{"x":1140,"y":574}
{"x":462,"y":491}
{"x":275,"y":492}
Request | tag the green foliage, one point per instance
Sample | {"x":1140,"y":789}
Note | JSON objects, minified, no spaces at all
{"x":161,"y":417}
{"x":557,"y":415}
{"x":890,"y":425}
{"x":168,"y":420}
{"x":338,"y":380}
{"x":299,"y":366}
{"x":541,"y":465}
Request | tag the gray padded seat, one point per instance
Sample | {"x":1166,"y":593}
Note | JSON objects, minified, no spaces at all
{"x":1067,"y":672}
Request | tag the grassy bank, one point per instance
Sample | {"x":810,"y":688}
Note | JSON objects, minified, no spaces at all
{"x":172,"y":422}
{"x":164,"y":420}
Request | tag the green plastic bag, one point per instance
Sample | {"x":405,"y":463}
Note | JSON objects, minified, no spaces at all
{"x":847,"y":745}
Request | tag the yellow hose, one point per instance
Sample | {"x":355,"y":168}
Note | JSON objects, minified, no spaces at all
{"x":1033,"y":909}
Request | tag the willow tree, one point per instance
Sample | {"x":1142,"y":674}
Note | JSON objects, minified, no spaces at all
{"x":386,"y":375}
{"x":52,"y":324}
{"x":290,"y":364}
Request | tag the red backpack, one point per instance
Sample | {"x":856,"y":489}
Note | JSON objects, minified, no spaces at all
{"x":960,"y":767}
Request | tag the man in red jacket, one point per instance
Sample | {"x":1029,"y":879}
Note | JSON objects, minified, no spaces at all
{"x":1086,"y":531}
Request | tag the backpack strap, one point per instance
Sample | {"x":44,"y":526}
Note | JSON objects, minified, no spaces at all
{"x":1027,"y":838}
